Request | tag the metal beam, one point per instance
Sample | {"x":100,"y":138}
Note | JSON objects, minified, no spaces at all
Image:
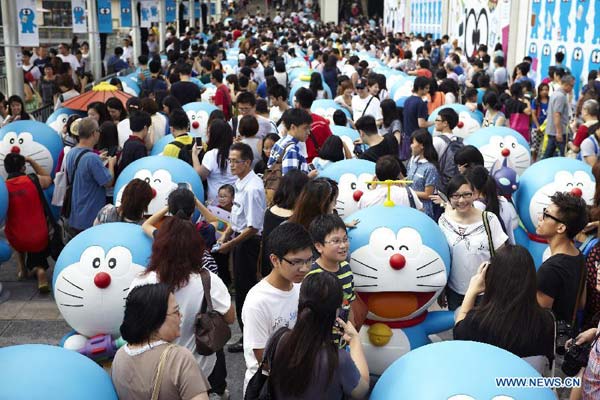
{"x":162,"y":25}
{"x":14,"y":73}
{"x":94,"y":40}
{"x":135,"y":27}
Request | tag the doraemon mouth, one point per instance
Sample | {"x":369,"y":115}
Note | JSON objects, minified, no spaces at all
{"x":27,"y":147}
{"x":396,"y":305}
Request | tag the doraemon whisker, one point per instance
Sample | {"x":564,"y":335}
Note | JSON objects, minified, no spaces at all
{"x":339,"y":201}
{"x":438,"y":286}
{"x":362,"y":263}
{"x":71,"y":305}
{"x":37,"y":152}
{"x":433,"y":273}
{"x":365,"y":276}
{"x":72,"y":283}
{"x":69,"y":294}
{"x":429,"y":263}
{"x":359,"y":286}
{"x":126,"y":289}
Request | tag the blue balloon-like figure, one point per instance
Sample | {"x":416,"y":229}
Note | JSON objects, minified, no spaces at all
{"x":594,"y":60}
{"x":401,"y":263}
{"x":130,"y":86}
{"x":31,"y":139}
{"x":468,"y":121}
{"x":402,"y":90}
{"x":581,"y":12}
{"x":537,"y":184}
{"x":457,"y":370}
{"x":78,"y":15}
{"x":59,"y":375}
{"x":92,"y":276}
{"x":164,"y":174}
{"x":326,"y":108}
{"x":58,"y":119}
{"x":546,"y":58}
{"x":497,"y":143}
{"x":27,"y":19}
{"x":351,"y":176}
{"x":563,"y":19}
{"x":577,"y":65}
{"x":536,"y":9}
{"x":306,"y":84}
{"x":198,"y":113}
{"x":549,"y":18}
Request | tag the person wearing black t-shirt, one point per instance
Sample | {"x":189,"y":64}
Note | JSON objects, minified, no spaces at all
{"x":378,"y":145}
{"x":559,"y":276}
{"x":185,"y":91}
{"x":135,"y":147}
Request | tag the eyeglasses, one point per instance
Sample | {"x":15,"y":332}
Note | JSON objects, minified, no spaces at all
{"x":439,"y":120}
{"x":176,"y":312}
{"x":546,"y":215}
{"x":466,"y":195}
{"x":234,"y":161}
{"x":336,"y":241}
{"x":299,"y":263}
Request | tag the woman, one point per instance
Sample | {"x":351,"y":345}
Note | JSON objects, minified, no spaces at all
{"x":465,"y":232}
{"x":284,"y":201}
{"x":158,"y":127}
{"x":307,"y":363}
{"x":16,"y":110}
{"x":151,"y":320}
{"x":169,"y":104}
{"x":316,"y":86}
{"x":215,"y":169}
{"x":268,"y":143}
{"x":134,"y":204}
{"x":345,"y":92}
{"x":318,"y":197}
{"x":331,"y":72}
{"x":492,"y":105}
{"x":450,"y":89}
{"x":467,"y":157}
{"x":509,"y":315}
{"x":422,"y":168}
{"x":334,"y":149}
{"x":435,"y":97}
{"x":116,"y":110}
{"x":516,"y":103}
{"x":98,"y":111}
{"x":25,"y":204}
{"x":392,"y":125}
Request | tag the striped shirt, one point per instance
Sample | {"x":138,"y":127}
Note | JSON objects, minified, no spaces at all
{"x":344,"y":274}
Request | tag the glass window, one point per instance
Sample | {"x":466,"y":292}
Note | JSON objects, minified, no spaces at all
{"x":59,"y":13}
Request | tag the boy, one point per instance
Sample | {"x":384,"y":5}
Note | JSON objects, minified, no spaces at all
{"x":180,"y":125}
{"x":135,"y":147}
{"x":297,"y":122}
{"x":273,"y":302}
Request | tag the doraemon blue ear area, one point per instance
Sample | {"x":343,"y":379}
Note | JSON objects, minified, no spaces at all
{"x":106,"y":236}
{"x":458,"y":108}
{"x":337,"y":169}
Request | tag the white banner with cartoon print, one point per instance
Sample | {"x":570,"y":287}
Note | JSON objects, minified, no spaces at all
{"x":475,"y":22}
{"x":26,"y":25}
{"x":393,"y":15}
{"x":571,"y":27}
{"x":426,"y":17}
{"x":79,"y":20}
{"x":146,"y":13}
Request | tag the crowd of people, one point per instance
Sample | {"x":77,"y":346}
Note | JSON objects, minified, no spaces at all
{"x":261,"y":163}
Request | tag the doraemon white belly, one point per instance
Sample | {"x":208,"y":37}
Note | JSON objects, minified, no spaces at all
{"x":381,"y":357}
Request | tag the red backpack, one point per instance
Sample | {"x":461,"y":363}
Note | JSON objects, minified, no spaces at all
{"x":26,"y":228}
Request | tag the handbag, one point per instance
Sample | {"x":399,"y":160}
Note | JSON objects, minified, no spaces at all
{"x":259,"y":386}
{"x":211,"y":330}
{"x":520,"y":123}
{"x":55,"y":234}
{"x":159,"y":372}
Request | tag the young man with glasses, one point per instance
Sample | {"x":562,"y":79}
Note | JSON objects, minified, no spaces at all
{"x":243,"y":234}
{"x":273,"y":302}
{"x":559,"y":276}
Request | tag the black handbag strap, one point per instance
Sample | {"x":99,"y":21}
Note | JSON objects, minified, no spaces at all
{"x":411,"y":198}
{"x":271,"y":348}
{"x":207,"y":305}
{"x":488,"y":231}
{"x":75,"y":167}
{"x":40,"y":191}
{"x":367,"y":106}
{"x":578,"y":299}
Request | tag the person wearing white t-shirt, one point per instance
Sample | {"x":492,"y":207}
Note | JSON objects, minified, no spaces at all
{"x":273,"y":302}
{"x":364,"y":103}
{"x":444,"y":123}
{"x":65,"y":56}
{"x":278,"y":95}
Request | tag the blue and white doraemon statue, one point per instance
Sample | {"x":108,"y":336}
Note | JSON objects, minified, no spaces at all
{"x":163,"y":174}
{"x":497,"y":143}
{"x":32,"y":139}
{"x":401,"y":262}
{"x":351,"y":176}
{"x":53,"y":373}
{"x":58,"y":119}
{"x":92,"y":277}
{"x":326,"y":109}
{"x":537,"y":184}
{"x":198,"y":113}
{"x":457,"y":370}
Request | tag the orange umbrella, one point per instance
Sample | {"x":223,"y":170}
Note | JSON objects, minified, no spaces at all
{"x":101,"y":92}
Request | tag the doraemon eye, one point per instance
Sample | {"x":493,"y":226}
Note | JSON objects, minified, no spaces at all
{"x":112,"y":263}
{"x":25,"y":137}
{"x":579,"y":184}
{"x":389,"y":247}
{"x":353,"y":186}
{"x":570,"y":184}
{"x":119,"y":260}
{"x":382,"y":243}
{"x":91,"y":260}
{"x":409,"y":241}
{"x":144,"y":175}
{"x":10,"y":138}
{"x":96,"y":262}
{"x":403,"y":247}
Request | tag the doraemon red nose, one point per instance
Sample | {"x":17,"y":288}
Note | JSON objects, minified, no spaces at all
{"x":460,"y":124}
{"x":102,"y":280}
{"x":397,"y":261}
{"x":153,"y":193}
{"x":576,"y":192}
{"x":195,"y":124}
{"x":15,"y":149}
{"x":357,"y":195}
{"x":505,"y":152}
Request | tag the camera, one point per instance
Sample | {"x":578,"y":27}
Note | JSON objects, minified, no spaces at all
{"x":576,"y":357}
{"x":564,"y":332}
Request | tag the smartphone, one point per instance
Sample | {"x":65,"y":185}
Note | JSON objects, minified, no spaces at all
{"x":358,"y":149}
{"x":342,"y":313}
{"x":184,"y":185}
{"x":443,"y":197}
{"x":112,"y":151}
{"x":311,"y":167}
{"x":198,"y":141}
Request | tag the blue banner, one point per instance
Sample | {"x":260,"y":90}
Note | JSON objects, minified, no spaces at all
{"x":171,"y":15}
{"x":213,"y":9}
{"x":126,"y":19}
{"x":104,"y":16}
{"x":198,"y":10}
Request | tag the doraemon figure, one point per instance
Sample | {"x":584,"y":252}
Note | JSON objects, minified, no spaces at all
{"x":130,"y":86}
{"x":546,"y":58}
{"x":326,"y":108}
{"x":402,"y":90}
{"x":577,"y":65}
{"x":594,"y":59}
{"x":348,"y":136}
{"x":32,"y":139}
{"x":540,"y":181}
{"x":92,"y":277}
{"x":27,"y":19}
{"x":462,"y":370}
{"x":549,"y":19}
{"x":536,"y":8}
{"x":468,"y":121}
{"x":401,"y":262}
{"x":78,"y":15}
{"x":163,"y":174}
{"x":581,"y":14}
{"x":351,"y":176}
{"x":563,"y":19}
{"x":198,"y":113}
{"x":497,"y":143}
{"x":59,"y":374}
{"x":507,"y":179}
{"x":58,"y":119}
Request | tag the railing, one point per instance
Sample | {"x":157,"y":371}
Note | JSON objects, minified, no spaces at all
{"x":41,"y":114}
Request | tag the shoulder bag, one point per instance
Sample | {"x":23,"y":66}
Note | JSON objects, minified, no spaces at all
{"x":259,"y":387}
{"x":55,"y":234}
{"x":211,"y":330}
{"x":159,"y":372}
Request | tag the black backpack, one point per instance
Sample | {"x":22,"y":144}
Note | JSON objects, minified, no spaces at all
{"x":448,"y":168}
{"x":185,"y":152}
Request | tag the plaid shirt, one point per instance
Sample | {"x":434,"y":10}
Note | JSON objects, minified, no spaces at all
{"x":292,"y":159}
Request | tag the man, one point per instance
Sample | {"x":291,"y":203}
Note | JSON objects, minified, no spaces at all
{"x":180,"y":125}
{"x":500,"y":77}
{"x":297,"y":123}
{"x":155,"y":82}
{"x":444,"y":123}
{"x":127,"y":55}
{"x":135,"y":147}
{"x":152,"y":45}
{"x":378,"y":145}
{"x":246,"y":104}
{"x":273,"y":302}
{"x":89,"y":177}
{"x":185,"y":91}
{"x":257,"y":69}
{"x":587,"y":133}
{"x":278,"y":95}
{"x":558,"y":117}
{"x":415,"y":109}
{"x":43,"y":59}
{"x":222,"y":96}
{"x":319,"y":129}
{"x":364,"y":102}
{"x":243,"y":234}
{"x":67,"y":57}
{"x":559,"y":276}
{"x":116,"y":62}
{"x":29,"y":67}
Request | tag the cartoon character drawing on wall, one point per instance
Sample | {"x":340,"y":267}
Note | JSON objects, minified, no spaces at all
{"x":550,"y":6}
{"x":581,"y":25}
{"x":27,"y":19}
{"x":594,"y":60}
{"x":78,"y":15}
{"x":536,"y":9}
{"x":546,"y":59}
{"x":154,"y":11}
{"x":145,"y":14}
{"x":564,"y":21}
{"x":596,"y":37}
{"x":532,"y":52}
{"x":577,"y":65}
{"x":476,"y":30}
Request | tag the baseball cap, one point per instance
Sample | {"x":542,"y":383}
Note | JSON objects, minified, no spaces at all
{"x":361,"y":84}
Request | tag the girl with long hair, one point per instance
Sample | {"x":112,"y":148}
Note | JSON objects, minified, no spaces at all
{"x":307,"y":363}
{"x":318,"y":197}
{"x":493,"y":115}
{"x":422,"y":168}
{"x":334,"y":149}
{"x":392,"y":124}
{"x":316,"y":86}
